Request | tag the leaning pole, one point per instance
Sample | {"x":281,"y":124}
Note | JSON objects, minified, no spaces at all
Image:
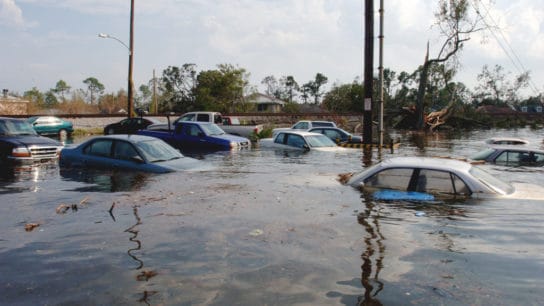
{"x":368,"y":68}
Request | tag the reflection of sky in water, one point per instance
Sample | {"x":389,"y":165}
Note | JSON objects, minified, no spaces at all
{"x":267,"y":227}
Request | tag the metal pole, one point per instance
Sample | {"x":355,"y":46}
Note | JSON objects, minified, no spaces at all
{"x":130,"y":101}
{"x":381,"y":74}
{"x":155,"y":94}
{"x":368,"y":68}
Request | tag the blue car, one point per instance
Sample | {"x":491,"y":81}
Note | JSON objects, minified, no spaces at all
{"x":127,"y":152}
{"x":188,"y":136}
{"x":51,"y":125}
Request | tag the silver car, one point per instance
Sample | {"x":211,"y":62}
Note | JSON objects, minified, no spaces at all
{"x":440,"y":177}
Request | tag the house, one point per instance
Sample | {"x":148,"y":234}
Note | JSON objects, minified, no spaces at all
{"x":10,"y":105}
{"x":495,"y":110}
{"x":264,"y":103}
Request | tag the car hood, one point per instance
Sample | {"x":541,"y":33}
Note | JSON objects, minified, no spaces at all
{"x":527,"y":192}
{"x":28,"y":140}
{"x":184,"y":163}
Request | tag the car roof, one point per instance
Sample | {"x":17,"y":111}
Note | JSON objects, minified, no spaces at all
{"x":128,"y":137}
{"x":301,"y":133}
{"x":436,"y":163}
{"x":515,"y":148}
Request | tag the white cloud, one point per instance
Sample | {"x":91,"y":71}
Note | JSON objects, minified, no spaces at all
{"x":10,"y":14}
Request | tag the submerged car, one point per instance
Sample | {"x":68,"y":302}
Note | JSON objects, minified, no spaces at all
{"x":511,"y":156}
{"x":129,"y":125}
{"x":413,"y":178}
{"x":506,"y":141}
{"x":51,"y":125}
{"x":338,"y":135}
{"x":298,"y":140}
{"x":129,"y":152}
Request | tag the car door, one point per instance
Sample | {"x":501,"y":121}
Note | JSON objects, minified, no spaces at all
{"x":98,"y":154}
{"x":125,"y":156}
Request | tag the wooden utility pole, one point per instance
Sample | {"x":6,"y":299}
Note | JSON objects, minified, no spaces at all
{"x":130,"y":62}
{"x":368,"y":68}
{"x":380,"y":68}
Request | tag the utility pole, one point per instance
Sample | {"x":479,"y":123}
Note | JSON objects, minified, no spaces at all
{"x":156,"y":107}
{"x":130,"y":62}
{"x":380,"y":68}
{"x":368,"y":68}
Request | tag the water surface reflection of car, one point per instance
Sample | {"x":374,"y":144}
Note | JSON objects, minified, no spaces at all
{"x":51,"y":125}
{"x":130,"y":152}
{"x":511,"y":156}
{"x":298,"y":140}
{"x":443,"y":178}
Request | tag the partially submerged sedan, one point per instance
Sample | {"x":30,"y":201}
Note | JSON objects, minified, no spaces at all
{"x":127,"y":152}
{"x":427,"y":178}
{"x":511,"y":156}
{"x":299,"y":140}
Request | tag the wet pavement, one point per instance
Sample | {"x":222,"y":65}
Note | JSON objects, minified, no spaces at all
{"x":263,"y":227}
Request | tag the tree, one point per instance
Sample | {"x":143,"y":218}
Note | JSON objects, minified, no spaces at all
{"x":455,"y":26}
{"x":35,"y":97}
{"x":291,"y":87}
{"x":94,"y":87}
{"x":344,"y":98}
{"x":222,"y":89}
{"x":314,"y":87}
{"x":272,"y":86}
{"x":495,"y":88}
{"x":144,"y":99}
{"x":50,"y":99}
{"x":178,"y":85}
{"x":61,"y":89}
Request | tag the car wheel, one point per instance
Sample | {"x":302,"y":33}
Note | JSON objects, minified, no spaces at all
{"x":63,"y":134}
{"x":110,"y":131}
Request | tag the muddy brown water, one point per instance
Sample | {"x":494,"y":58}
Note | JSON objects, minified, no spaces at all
{"x":264,"y":227}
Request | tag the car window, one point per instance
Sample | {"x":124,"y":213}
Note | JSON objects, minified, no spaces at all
{"x":188,"y":117}
{"x":432,"y":181}
{"x":100,"y":147}
{"x":203,"y":118}
{"x":124,"y":150}
{"x":280,"y":138}
{"x":509,"y":157}
{"x":332,"y":134}
{"x":192,"y":130}
{"x":394,"y":178}
{"x":322,"y":124}
{"x":295,"y":141}
{"x":301,"y":126}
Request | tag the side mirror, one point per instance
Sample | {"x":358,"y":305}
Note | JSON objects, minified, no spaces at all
{"x":201,"y":134}
{"x":306,"y":147}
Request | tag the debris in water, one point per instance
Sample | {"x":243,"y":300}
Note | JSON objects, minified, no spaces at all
{"x":420,"y":213}
{"x":62,"y":209}
{"x":30,"y":226}
{"x":256,"y":232}
{"x":146,"y":275}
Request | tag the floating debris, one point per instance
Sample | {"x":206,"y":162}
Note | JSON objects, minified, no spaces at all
{"x":146,"y":275}
{"x":420,"y":213}
{"x":62,"y":209}
{"x":31,"y":226}
{"x":256,"y":232}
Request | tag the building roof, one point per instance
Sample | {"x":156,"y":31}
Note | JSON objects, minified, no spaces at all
{"x":259,"y":98}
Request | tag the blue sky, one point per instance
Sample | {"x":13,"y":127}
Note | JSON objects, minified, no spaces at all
{"x":44,"y":41}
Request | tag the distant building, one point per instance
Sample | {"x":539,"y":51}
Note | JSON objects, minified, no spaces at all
{"x":493,"y":109}
{"x":10,"y":105}
{"x":264,"y":103}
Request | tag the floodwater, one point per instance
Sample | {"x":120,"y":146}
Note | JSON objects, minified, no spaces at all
{"x":267,"y":228}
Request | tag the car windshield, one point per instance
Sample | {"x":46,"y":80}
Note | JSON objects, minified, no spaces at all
{"x":320,"y":141}
{"x":16,"y":127}
{"x":157,"y":150}
{"x":483,"y":154}
{"x":491,"y":181}
{"x":212,"y":129}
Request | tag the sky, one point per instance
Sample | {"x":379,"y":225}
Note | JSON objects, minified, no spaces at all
{"x":44,"y":41}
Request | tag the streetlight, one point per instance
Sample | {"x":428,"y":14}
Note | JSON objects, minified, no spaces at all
{"x":130,"y":48}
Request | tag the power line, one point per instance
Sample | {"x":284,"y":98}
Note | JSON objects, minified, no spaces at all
{"x":517,"y":62}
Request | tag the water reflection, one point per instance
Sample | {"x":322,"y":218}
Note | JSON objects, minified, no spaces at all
{"x":372,"y":261}
{"x":105,"y":180}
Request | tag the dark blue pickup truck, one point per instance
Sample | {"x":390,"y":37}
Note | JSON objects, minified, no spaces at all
{"x":20,"y":144}
{"x":198,"y":135}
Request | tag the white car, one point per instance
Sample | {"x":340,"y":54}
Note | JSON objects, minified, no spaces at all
{"x":299,"y":140}
{"x":415,"y":178}
{"x":304,"y":125}
{"x":506,"y":141}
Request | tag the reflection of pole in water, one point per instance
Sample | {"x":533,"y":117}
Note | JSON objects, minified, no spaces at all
{"x":369,"y":219}
{"x":134,"y":232}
